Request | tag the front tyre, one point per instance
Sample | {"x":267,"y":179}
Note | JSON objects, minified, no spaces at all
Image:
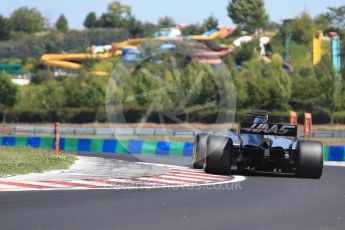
{"x":199,"y":150}
{"x":309,"y":159}
{"x":218,"y":158}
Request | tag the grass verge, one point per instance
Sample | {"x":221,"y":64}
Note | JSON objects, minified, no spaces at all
{"x":22,"y":160}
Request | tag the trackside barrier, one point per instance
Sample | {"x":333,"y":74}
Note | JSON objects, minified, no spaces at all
{"x":129,"y":132}
{"x":293,"y":118}
{"x":112,"y":146}
{"x":308,"y":126}
{"x":334,"y":153}
{"x":57,"y":138}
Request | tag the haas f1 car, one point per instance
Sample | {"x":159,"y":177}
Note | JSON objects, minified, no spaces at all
{"x":260,"y":146}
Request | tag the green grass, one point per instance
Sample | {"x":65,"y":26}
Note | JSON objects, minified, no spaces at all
{"x":22,"y":160}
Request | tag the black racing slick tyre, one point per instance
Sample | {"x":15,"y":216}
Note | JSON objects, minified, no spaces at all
{"x":199,"y":150}
{"x":218,"y":156}
{"x":309,"y":162}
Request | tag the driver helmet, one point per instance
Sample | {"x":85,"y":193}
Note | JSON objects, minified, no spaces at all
{"x":262,"y":119}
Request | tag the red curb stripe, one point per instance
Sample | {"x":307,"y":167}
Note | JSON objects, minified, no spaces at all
{"x":198,"y":173}
{"x":155,"y":181}
{"x":128,"y":184}
{"x":109,"y":182}
{"x":102,"y":181}
{"x":204,"y":175}
{"x":71,"y":184}
{"x":23,"y":185}
{"x":181,"y":180}
{"x":196,"y":177}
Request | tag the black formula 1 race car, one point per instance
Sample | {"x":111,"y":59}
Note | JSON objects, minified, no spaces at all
{"x":261,"y":145}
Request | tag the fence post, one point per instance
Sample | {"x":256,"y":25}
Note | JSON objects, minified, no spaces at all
{"x":307,"y":126}
{"x":13,"y":130}
{"x":293,"y":118}
{"x":57,"y":137}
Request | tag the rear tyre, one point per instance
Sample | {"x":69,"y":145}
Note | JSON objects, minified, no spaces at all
{"x":199,"y":150}
{"x":218,"y":158}
{"x":309,"y":159}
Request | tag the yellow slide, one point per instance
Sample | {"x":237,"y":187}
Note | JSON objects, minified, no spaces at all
{"x":65,"y":60}
{"x":222,"y":33}
{"x":317,"y":48}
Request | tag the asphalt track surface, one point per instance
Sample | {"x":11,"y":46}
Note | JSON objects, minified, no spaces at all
{"x":259,"y":202}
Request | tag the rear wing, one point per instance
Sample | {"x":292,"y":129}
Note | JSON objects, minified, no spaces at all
{"x":269,"y":129}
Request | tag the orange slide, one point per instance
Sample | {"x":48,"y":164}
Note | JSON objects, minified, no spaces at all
{"x":65,"y":60}
{"x":222,"y":33}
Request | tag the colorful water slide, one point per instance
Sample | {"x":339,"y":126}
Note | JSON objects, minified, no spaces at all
{"x":131,"y":43}
{"x":213,"y":56}
{"x":317,"y":52}
{"x":336,"y":51}
{"x":64,"y":60}
{"x":214,"y":53}
{"x":213,"y":34}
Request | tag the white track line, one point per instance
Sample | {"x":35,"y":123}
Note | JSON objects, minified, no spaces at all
{"x":204,"y":177}
{"x":334,"y":163}
{"x":7,"y":187}
{"x":156,"y":181}
{"x":200,"y":174}
{"x":162,"y":181}
{"x":184,"y":179}
{"x":88,"y":182}
{"x":42,"y":183}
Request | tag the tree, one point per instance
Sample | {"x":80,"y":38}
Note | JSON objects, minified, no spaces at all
{"x":91,"y":20}
{"x":323,"y":22}
{"x":166,"y":22}
{"x":8,"y":91}
{"x":49,"y":96}
{"x":245,"y":53}
{"x":303,"y":29}
{"x":248,"y":13}
{"x":210,"y":23}
{"x":4,"y":28}
{"x":273,"y":26}
{"x":135,"y":27}
{"x":26,"y":20}
{"x":118,"y":15}
{"x":337,"y":16}
{"x":306,"y":91}
{"x":87,"y":93}
{"x":331,"y":88}
{"x":268,"y":85}
{"x":62,"y":23}
{"x":192,"y":29}
{"x":239,"y":81}
{"x":41,"y":77}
